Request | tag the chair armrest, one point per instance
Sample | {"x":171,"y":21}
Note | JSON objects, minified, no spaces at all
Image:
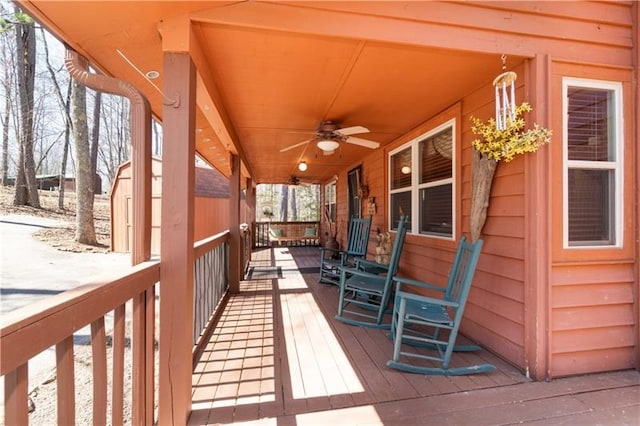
{"x":416,"y":283}
{"x":358,"y":272}
{"x":364,"y":263}
{"x":424,"y":299}
{"x":329,"y":249}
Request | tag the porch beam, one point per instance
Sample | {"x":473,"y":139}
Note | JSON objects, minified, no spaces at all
{"x":176,"y":248}
{"x":428,"y":24}
{"x":177,"y":36}
{"x":537,"y":227}
{"x":235,"y":255}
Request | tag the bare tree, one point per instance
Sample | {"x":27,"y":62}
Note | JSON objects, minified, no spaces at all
{"x":294,"y":203}
{"x":115,"y":143}
{"x":5,"y":130}
{"x":26,"y":185}
{"x":95,"y":137}
{"x":8,"y":65}
{"x":85,"y":229}
{"x":284,"y":203}
{"x":65,"y":150}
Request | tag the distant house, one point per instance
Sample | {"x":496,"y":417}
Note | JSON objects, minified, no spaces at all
{"x":211,"y":205}
{"x":52,"y":183}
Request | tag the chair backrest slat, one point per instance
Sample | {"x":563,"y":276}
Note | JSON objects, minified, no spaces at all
{"x":398,"y":243}
{"x":462,"y":270}
{"x":358,"y":237}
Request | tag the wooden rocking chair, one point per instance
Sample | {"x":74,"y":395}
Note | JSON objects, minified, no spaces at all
{"x":332,"y":259}
{"x":365,"y":289}
{"x":419,"y":320}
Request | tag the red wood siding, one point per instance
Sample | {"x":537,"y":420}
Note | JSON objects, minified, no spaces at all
{"x":495,"y":311}
{"x":593,"y":291}
{"x":544,"y":315}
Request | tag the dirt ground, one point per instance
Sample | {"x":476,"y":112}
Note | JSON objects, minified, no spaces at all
{"x":63,"y":238}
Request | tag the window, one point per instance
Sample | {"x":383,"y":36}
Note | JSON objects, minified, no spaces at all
{"x":422,"y":183}
{"x":354,"y":192}
{"x":592,"y":155}
{"x":330,"y":200}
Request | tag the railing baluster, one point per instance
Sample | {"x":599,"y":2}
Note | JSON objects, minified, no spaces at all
{"x":99,"y":358}
{"x":150,"y":353}
{"x":16,"y":384}
{"x":117,"y":390}
{"x":138,"y":360}
{"x":65,"y":382}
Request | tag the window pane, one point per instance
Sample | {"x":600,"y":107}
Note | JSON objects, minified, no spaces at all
{"x":591,"y":210}
{"x":400,"y":205}
{"x":401,"y":169}
{"x":435,"y":157}
{"x":590,"y":124}
{"x":435,"y":210}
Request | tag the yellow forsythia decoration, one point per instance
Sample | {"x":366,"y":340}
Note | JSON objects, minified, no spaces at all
{"x":506,"y":144}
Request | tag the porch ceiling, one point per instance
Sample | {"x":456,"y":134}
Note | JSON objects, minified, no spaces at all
{"x":275,"y":71}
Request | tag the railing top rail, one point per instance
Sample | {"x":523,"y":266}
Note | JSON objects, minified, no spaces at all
{"x":49,"y":321}
{"x":297,"y":222}
{"x":203,"y":246}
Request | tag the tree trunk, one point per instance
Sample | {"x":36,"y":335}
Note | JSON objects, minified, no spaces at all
{"x":26,"y":184}
{"x":294,"y":204}
{"x":482,"y":173}
{"x":5,"y":137}
{"x":284,"y":203}
{"x":65,"y":105}
{"x":65,"y":150}
{"x":85,"y":231}
{"x":95,"y":137}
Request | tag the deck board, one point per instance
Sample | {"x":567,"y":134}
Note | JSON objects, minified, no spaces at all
{"x":278,"y":355}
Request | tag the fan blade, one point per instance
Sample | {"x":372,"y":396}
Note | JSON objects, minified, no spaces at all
{"x":354,"y":130}
{"x":362,"y":142}
{"x":295,"y":145}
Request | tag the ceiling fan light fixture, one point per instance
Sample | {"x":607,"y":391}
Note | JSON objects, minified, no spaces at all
{"x":302,"y":166}
{"x":328,"y":145}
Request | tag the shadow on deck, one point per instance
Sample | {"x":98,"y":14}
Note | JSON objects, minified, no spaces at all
{"x":278,"y":356}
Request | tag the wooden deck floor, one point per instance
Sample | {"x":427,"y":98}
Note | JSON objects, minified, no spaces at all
{"x":278,"y":357}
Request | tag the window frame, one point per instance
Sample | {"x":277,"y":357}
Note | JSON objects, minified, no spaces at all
{"x":616,"y":166}
{"x":416,"y":187}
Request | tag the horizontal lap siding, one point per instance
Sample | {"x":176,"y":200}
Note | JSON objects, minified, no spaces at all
{"x":592,"y":318}
{"x":494,"y":315}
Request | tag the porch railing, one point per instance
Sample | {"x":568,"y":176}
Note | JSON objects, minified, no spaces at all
{"x":126,"y":298}
{"x":211,"y":282}
{"x":261,"y":232}
{"x":30,"y":330}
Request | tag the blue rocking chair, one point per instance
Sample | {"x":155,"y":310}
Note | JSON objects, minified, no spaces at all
{"x":331,"y":259}
{"x":366,"y":288}
{"x":433,"y":323}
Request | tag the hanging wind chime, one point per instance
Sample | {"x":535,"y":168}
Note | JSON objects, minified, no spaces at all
{"x":504,"y":85}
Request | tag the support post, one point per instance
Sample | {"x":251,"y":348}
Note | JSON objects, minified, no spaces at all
{"x":176,"y":247}
{"x":537,"y":229}
{"x":235,"y":256}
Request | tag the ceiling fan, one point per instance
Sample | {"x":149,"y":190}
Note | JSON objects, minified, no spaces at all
{"x":329,"y":135}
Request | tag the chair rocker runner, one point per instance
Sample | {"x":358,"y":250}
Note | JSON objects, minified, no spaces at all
{"x":332,"y":259}
{"x":364,"y":295}
{"x":425,"y":322}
